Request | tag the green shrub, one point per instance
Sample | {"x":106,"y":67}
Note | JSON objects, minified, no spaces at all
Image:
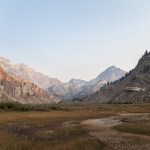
{"x":135,"y":128}
{"x":15,"y":106}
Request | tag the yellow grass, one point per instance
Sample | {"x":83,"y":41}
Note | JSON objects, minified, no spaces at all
{"x":56,"y":130}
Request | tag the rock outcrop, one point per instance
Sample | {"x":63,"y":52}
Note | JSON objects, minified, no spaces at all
{"x":1,"y":90}
{"x":16,"y":89}
{"x":133,"y":89}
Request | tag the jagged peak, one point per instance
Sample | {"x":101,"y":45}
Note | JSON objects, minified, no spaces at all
{"x":4,"y":60}
{"x":144,"y":58}
{"x":76,"y":81}
{"x":114,"y":68}
{"x":23,"y":65}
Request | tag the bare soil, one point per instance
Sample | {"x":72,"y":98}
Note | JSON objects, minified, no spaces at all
{"x":114,"y":140}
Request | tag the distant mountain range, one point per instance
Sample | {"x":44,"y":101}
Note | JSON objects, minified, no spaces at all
{"x":78,"y":89}
{"x":133,"y":88}
{"x":114,"y":85}
{"x":74,"y":89}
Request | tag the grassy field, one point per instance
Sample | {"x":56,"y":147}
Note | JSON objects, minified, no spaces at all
{"x":135,"y":124}
{"x":58,"y":127}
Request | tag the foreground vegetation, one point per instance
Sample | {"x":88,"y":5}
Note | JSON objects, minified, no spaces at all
{"x":135,"y":124}
{"x":57,"y":127}
{"x":15,"y":106}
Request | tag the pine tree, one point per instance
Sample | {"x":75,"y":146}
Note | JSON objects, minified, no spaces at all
{"x":146,"y":52}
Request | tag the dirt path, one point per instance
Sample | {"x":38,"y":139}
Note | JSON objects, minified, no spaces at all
{"x":104,"y":122}
{"x":114,"y":140}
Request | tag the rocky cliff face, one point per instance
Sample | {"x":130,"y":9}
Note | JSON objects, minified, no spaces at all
{"x":67,"y":91}
{"x":19,"y":90}
{"x":133,"y":88}
{"x":78,"y":89}
{"x":29,"y":74}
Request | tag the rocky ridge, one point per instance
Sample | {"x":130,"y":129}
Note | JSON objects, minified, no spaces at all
{"x":19,"y":90}
{"x":133,"y":88}
{"x":78,"y":89}
{"x":74,"y":89}
{"x":27,"y":73}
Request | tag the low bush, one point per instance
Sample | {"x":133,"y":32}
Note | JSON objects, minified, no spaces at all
{"x":135,"y":128}
{"x":15,"y":106}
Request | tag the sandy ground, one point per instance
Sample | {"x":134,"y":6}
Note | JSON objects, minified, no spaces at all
{"x":114,"y":140}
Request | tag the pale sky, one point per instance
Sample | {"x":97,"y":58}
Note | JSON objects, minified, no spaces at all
{"x":74,"y":38}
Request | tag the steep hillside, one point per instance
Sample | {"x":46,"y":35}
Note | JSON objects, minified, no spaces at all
{"x":26,"y":73}
{"x":133,"y":88}
{"x":109,"y":75}
{"x":16,"y":89}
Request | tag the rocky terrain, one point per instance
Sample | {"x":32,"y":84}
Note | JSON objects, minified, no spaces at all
{"x":132,"y":127}
{"x":67,"y":90}
{"x":111,"y":74}
{"x":18,"y":90}
{"x":74,"y":89}
{"x":27,"y":73}
{"x":77,"y":89}
{"x":133,"y":88}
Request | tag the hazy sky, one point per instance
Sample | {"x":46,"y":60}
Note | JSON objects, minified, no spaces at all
{"x":74,"y":38}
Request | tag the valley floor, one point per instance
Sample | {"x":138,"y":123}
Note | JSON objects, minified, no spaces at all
{"x":77,"y":127}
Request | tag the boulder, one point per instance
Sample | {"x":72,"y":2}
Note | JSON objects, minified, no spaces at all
{"x":134,"y":89}
{"x":1,"y":90}
{"x":17,"y":91}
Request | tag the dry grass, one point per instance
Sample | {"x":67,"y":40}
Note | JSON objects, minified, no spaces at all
{"x":46,"y":130}
{"x":56,"y":129}
{"x":139,"y":128}
{"x":135,"y":124}
{"x":60,"y":140}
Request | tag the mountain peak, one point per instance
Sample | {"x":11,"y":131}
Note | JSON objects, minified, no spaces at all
{"x":133,"y":88}
{"x":112,"y":73}
{"x":77,"y":88}
{"x":113,"y":68}
{"x":5,"y":60}
{"x":23,"y":71}
{"x":23,"y":65}
{"x":73,"y":80}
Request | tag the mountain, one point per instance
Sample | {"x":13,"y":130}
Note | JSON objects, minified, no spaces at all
{"x":77,"y":89}
{"x":19,"y":90}
{"x":74,"y":89}
{"x":27,"y":73}
{"x":67,"y":90}
{"x":109,"y":75}
{"x":133,"y":88}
